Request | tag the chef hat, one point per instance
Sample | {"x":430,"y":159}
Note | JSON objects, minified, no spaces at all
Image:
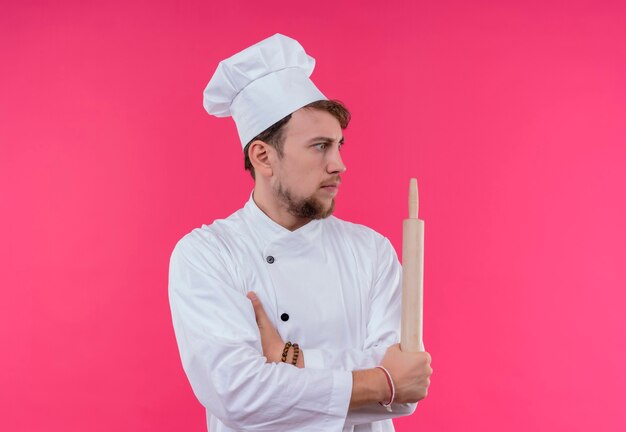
{"x":261,"y":85}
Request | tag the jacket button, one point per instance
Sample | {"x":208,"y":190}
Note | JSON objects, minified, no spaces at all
{"x":284,"y":317}
{"x":270,"y":259}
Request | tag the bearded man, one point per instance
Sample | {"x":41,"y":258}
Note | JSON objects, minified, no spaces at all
{"x":286,"y":317}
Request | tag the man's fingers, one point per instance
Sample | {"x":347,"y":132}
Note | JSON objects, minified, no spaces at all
{"x":261,"y":317}
{"x":271,"y":342}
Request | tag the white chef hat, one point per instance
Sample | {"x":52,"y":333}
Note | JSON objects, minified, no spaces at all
{"x":261,"y":85}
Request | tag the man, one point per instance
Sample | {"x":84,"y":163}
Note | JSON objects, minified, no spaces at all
{"x":286,"y":317}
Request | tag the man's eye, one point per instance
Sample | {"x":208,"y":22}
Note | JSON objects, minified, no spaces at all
{"x":321,"y":146}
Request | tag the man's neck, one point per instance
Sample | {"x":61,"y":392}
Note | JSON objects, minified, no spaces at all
{"x":276,"y":211}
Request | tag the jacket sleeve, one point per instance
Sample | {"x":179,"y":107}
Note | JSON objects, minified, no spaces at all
{"x":221,"y":353}
{"x":383,"y":330}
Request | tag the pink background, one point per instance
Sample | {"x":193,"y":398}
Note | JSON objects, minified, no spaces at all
{"x":511,"y":115}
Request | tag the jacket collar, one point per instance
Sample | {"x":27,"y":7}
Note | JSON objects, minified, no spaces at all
{"x":270,"y":232}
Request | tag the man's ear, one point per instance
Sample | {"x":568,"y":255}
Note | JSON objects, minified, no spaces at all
{"x":260,"y":155}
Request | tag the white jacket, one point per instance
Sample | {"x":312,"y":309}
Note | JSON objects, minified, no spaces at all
{"x":331,"y":286}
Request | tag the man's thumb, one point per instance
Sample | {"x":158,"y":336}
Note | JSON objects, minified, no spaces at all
{"x":258,"y":308}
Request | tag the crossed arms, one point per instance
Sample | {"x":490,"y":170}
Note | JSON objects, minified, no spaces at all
{"x":229,"y":350}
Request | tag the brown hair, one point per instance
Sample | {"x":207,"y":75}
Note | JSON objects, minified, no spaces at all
{"x":275,"y":137}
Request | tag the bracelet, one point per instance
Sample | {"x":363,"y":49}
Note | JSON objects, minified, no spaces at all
{"x":391,"y":387}
{"x":285,"y":351}
{"x":296,"y":352}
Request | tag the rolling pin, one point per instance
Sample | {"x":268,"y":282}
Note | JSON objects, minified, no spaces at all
{"x":412,"y":276}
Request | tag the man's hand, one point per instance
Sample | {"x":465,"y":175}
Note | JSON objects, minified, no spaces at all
{"x":410,"y":373}
{"x":271,"y":341}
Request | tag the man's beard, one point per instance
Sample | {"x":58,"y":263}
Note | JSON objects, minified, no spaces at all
{"x":308,"y":208}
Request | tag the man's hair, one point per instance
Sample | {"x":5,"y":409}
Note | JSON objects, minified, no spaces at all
{"x":275,"y":136}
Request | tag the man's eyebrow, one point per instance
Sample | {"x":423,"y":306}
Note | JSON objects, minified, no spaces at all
{"x":325,"y":139}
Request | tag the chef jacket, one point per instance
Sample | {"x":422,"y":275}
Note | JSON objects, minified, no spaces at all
{"x":331,"y":286}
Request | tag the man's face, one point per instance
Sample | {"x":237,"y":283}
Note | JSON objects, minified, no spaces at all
{"x":307,"y":178}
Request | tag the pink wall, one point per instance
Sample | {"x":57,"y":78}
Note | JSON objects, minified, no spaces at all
{"x":512,"y":116}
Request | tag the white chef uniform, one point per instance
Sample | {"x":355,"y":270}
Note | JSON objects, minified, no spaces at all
{"x":331,"y":286}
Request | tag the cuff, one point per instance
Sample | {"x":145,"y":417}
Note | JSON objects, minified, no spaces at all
{"x":339,"y":400}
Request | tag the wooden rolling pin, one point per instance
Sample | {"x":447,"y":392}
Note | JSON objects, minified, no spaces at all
{"x":412,"y":276}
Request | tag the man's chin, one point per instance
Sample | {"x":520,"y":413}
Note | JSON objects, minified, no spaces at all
{"x":330,"y":208}
{"x":313,"y":207}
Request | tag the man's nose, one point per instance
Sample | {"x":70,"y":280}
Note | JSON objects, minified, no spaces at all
{"x":335,"y":163}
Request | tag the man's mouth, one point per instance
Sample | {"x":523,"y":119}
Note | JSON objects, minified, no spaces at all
{"x":331,"y":188}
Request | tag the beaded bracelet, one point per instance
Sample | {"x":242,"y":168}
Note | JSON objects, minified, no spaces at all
{"x":391,"y":387}
{"x":285,"y":351}
{"x":296,"y":352}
